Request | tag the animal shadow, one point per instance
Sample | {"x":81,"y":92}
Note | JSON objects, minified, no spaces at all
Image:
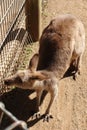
{"x":19,"y":103}
{"x":71,"y":71}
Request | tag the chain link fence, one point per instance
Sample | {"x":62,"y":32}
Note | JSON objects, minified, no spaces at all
{"x":13,"y":40}
{"x":14,"y":36}
{"x":19,"y":27}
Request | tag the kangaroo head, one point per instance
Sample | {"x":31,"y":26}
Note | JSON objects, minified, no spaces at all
{"x":25,"y":79}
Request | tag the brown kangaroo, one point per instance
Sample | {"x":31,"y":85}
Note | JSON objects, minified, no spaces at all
{"x":62,"y":43}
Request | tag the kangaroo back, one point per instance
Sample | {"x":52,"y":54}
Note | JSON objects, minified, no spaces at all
{"x":57,"y":44}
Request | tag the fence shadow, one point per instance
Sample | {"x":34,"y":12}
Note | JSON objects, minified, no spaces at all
{"x":20,"y":105}
{"x":70,"y":72}
{"x":17,"y":34}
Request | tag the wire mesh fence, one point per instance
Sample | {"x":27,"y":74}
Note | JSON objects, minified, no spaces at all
{"x":13,"y":38}
{"x":16,"y":32}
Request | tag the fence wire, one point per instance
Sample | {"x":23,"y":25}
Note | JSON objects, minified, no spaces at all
{"x":13,"y":38}
{"x":16,"y":123}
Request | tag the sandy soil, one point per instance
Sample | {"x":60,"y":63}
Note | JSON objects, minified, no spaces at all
{"x":70,"y":108}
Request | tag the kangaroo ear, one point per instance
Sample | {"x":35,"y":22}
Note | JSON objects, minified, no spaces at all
{"x":39,"y":76}
{"x":33,"y":62}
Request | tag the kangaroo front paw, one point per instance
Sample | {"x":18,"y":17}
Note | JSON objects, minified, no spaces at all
{"x":47,"y":117}
{"x":36,"y":115}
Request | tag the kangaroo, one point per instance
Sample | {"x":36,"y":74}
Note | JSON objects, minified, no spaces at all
{"x":62,"y":43}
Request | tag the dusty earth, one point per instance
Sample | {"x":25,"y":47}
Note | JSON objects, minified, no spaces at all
{"x":70,"y":108}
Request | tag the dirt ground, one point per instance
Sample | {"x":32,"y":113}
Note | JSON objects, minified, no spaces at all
{"x":70,"y":108}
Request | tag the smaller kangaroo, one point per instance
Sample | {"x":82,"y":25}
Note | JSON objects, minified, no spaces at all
{"x":62,"y":43}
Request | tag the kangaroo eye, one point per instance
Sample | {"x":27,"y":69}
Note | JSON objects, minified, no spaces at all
{"x":18,"y":80}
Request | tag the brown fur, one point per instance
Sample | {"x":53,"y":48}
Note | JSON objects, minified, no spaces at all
{"x":62,"y":43}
